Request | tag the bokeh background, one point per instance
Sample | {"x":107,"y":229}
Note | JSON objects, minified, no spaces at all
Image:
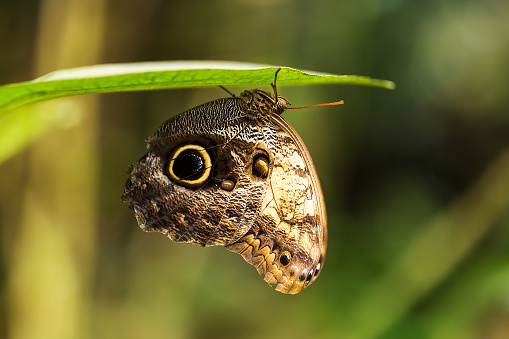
{"x":416,"y":180}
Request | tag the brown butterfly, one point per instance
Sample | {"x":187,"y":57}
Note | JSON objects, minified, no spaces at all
{"x":232,"y":172}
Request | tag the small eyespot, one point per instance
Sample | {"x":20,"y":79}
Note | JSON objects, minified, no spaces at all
{"x":261,"y":166}
{"x":318,"y":267}
{"x":189,"y":165}
{"x":310,"y":275}
{"x":285,"y":258}
{"x":228,"y":185}
{"x":303,"y":275}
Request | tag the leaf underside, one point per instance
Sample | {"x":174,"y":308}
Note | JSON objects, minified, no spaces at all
{"x":165,"y":75}
{"x":20,"y":127}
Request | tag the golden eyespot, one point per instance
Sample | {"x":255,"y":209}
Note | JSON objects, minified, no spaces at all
{"x":189,"y":165}
{"x":228,"y":185}
{"x":261,"y":166}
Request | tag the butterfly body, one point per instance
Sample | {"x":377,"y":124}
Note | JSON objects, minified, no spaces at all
{"x":232,"y":172}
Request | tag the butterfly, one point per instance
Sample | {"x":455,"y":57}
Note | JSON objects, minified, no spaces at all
{"x":232,"y":172}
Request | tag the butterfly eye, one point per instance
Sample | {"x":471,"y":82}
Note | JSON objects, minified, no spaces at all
{"x":285,"y":258}
{"x":189,"y":165}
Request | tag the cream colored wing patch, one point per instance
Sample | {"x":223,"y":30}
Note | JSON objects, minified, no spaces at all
{"x":287,"y":243}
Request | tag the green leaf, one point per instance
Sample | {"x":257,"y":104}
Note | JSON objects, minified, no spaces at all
{"x":19,"y":128}
{"x":164,"y":75}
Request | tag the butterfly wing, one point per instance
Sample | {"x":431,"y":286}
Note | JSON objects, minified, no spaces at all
{"x":288,"y":240}
{"x":256,"y":192}
{"x":216,"y":209}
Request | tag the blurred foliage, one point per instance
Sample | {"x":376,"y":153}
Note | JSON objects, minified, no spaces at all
{"x":415,"y":179}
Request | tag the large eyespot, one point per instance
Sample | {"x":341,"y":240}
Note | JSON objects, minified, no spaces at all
{"x":189,"y":165}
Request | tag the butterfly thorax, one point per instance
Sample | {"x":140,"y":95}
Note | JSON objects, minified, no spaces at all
{"x":259,"y":104}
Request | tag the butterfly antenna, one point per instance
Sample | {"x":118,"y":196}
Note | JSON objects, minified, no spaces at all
{"x":327,"y":104}
{"x":274,"y":87}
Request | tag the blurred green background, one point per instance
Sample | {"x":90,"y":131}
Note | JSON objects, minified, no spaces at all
{"x":416,"y":180}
